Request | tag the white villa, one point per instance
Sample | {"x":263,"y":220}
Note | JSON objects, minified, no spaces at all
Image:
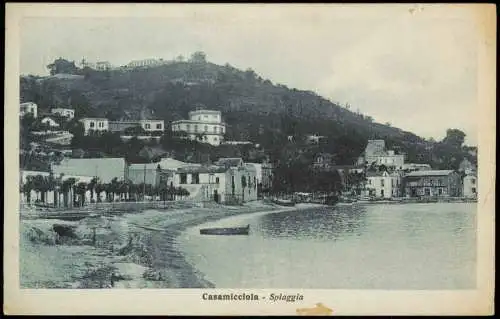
{"x":49,"y":122}
{"x":28,"y":107}
{"x":65,"y":112}
{"x":229,"y":180}
{"x":95,"y":124}
{"x":376,"y":153}
{"x":203,"y":125}
{"x":470,"y":185}
{"x":384,"y":184}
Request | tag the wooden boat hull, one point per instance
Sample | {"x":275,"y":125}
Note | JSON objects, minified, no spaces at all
{"x":284,"y":203}
{"x":225,"y":231}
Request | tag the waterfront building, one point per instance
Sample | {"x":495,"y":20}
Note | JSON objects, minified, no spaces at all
{"x":49,"y":122}
{"x":384,"y":184}
{"x":155,"y":173}
{"x":64,"y":112}
{"x":93,"y":124}
{"x":203,"y":125}
{"x":28,"y":107}
{"x":433,"y":183}
{"x":470,"y":185}
{"x":105,"y":169}
{"x":264,"y":174}
{"x":228,"y":181}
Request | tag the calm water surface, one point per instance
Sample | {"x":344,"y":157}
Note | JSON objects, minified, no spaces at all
{"x":413,"y":246}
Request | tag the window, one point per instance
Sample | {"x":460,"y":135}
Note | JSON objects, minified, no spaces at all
{"x":196,"y":128}
{"x":427,"y":192}
{"x":195,"y":178}
{"x":206,"y":128}
{"x":92,"y":124}
{"x":215,"y":129}
{"x":183,"y":178}
{"x":205,"y":117}
{"x":216,"y":180}
{"x":473,"y":181}
{"x":382,"y":183}
{"x":381,"y":193}
{"x":158,"y":126}
{"x":440,"y":191}
{"x":147,"y":126}
{"x":473,"y":190}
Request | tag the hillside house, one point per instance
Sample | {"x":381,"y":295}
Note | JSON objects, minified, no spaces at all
{"x":203,"y":125}
{"x":376,"y":154}
{"x":28,"y":108}
{"x":433,"y":183}
{"x":64,"y":112}
{"x":147,"y":125}
{"x":93,"y":124}
{"x":49,"y":122}
{"x":324,"y":162}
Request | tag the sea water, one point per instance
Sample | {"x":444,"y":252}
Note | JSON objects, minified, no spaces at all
{"x":410,"y":246}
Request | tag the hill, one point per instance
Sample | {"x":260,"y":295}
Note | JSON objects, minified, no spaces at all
{"x":254,"y":108}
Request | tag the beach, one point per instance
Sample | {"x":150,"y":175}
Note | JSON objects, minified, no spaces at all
{"x":130,"y":250}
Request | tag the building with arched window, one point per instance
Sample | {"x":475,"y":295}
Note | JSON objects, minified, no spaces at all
{"x":203,"y":125}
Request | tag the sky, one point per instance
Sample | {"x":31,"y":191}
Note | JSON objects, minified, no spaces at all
{"x":412,"y":66}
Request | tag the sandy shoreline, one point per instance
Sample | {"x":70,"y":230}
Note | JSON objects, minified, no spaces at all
{"x":134,"y":250}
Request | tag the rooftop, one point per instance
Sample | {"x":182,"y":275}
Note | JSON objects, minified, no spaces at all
{"x":94,"y":118}
{"x":230,"y":161}
{"x":430,"y":173}
{"x":105,"y":168}
{"x":202,"y":169}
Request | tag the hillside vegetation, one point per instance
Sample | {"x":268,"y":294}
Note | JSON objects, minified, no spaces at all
{"x":254,"y":108}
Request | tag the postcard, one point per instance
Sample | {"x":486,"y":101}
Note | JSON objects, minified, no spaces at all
{"x":249,"y":159}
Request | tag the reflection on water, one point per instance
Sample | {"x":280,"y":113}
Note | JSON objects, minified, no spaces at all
{"x":318,"y":224}
{"x":413,"y":246}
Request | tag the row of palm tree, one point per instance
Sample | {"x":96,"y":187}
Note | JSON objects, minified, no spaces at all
{"x":71,"y":187}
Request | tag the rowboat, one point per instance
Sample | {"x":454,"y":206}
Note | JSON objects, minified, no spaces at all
{"x":284,"y":202}
{"x":226,"y":231}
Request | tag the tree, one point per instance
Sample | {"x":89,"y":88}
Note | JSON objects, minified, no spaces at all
{"x":66,"y":187}
{"x":243,"y":186}
{"x":454,"y":137}
{"x":62,"y":66}
{"x":80,"y":190}
{"x":198,"y":57}
{"x":91,"y":187}
{"x":27,"y":187}
{"x":135,"y":130}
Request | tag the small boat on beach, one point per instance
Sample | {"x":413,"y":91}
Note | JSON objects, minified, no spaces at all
{"x":226,"y":231}
{"x":284,"y":202}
